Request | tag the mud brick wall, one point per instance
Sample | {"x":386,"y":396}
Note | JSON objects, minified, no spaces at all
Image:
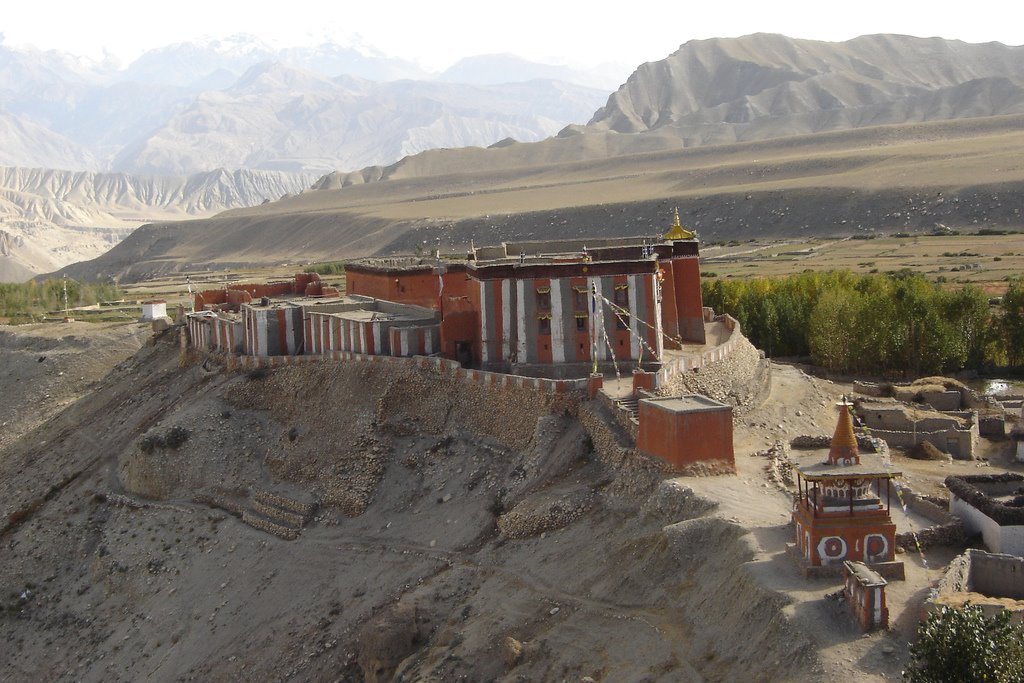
{"x":304,"y":510}
{"x":289,"y":519}
{"x":257,"y":522}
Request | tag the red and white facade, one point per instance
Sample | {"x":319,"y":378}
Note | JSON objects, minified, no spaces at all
{"x":838,"y":514}
{"x":552,"y":308}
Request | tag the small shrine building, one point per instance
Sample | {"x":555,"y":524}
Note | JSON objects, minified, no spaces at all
{"x":839,"y":514}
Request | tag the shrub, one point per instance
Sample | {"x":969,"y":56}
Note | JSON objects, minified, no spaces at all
{"x":172,"y":438}
{"x":176,"y":436}
{"x":329,"y":268}
{"x":258,"y":373}
{"x":961,"y":644}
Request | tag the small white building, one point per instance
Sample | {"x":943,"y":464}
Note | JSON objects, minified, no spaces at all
{"x":152,"y":310}
{"x":1020,"y":444}
{"x":983,"y":503}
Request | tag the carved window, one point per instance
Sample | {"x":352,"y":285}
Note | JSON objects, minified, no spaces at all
{"x":543,"y":298}
{"x":580,"y":300}
{"x":622,"y":295}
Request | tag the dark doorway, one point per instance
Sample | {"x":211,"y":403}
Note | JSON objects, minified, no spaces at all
{"x":464,"y":353}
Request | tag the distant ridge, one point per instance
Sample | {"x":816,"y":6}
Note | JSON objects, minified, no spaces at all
{"x":52,"y":218}
{"x":766,"y":85}
{"x":280,"y":118}
{"x":238,"y":102}
{"x":756,"y":136}
{"x":963,"y":174}
{"x":761,"y":87}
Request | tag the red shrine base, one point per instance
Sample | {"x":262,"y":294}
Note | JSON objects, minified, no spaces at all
{"x":890,"y":570}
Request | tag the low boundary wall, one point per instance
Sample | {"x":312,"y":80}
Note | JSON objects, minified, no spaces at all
{"x":718,"y":353}
{"x":972,"y":498}
{"x":948,"y":529}
{"x":959,"y":440}
{"x":442,"y":365}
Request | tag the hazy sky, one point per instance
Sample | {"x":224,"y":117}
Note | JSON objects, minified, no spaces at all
{"x":437,"y":32}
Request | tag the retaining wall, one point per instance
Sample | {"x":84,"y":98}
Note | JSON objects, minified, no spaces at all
{"x":718,"y":353}
{"x":957,"y":442}
{"x":488,"y":379}
{"x":996,"y":575}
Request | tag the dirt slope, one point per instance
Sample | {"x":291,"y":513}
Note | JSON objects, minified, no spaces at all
{"x":450,"y":543}
{"x":461,"y":533}
{"x":46,"y":367}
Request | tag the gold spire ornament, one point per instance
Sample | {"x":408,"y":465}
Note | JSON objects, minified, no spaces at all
{"x":677,"y":231}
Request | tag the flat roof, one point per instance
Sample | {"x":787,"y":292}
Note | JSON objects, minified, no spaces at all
{"x":306,"y":301}
{"x":325,"y":300}
{"x":817,"y":468}
{"x":537,"y":253}
{"x":866,"y":576}
{"x":687,"y":403}
{"x":364,"y":315}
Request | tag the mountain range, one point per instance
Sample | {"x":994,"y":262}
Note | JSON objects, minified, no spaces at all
{"x":240,"y":103}
{"x":755,"y":136}
{"x":765,"y":85}
{"x":50,"y":218}
{"x":441,"y":158}
{"x":151,"y":140}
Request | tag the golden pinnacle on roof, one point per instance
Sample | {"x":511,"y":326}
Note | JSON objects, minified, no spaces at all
{"x":844,"y":442}
{"x":677,"y":231}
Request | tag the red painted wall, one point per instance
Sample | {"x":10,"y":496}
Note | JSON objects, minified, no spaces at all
{"x":673,"y":436}
{"x":689,"y":303}
{"x":544,"y":352}
{"x":669,"y":306}
{"x":852,"y":530}
{"x":419,"y":288}
{"x":461,"y":323}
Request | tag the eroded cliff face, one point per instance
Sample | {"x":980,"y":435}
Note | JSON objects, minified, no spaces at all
{"x":461,"y":531}
{"x":54,"y":218}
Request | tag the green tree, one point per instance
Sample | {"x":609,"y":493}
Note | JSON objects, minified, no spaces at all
{"x":829,"y":333}
{"x":962,"y":645}
{"x":970,"y":319}
{"x":896,"y":322}
{"x":1011,"y":323}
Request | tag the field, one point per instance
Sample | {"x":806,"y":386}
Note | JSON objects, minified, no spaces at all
{"x":984,"y":260}
{"x":963,"y":174}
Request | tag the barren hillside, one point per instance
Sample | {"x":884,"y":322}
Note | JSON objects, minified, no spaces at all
{"x":50,"y":218}
{"x":765,"y":86}
{"x":448,"y":543}
{"x":963,"y":174}
{"x":441,"y":529}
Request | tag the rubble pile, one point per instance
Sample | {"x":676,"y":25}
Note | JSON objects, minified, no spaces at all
{"x":738,"y":379}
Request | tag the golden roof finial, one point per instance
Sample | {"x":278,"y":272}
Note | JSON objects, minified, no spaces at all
{"x":677,"y":231}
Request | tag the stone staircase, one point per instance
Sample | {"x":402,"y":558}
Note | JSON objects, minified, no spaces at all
{"x":278,"y":515}
{"x":629,"y":405}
